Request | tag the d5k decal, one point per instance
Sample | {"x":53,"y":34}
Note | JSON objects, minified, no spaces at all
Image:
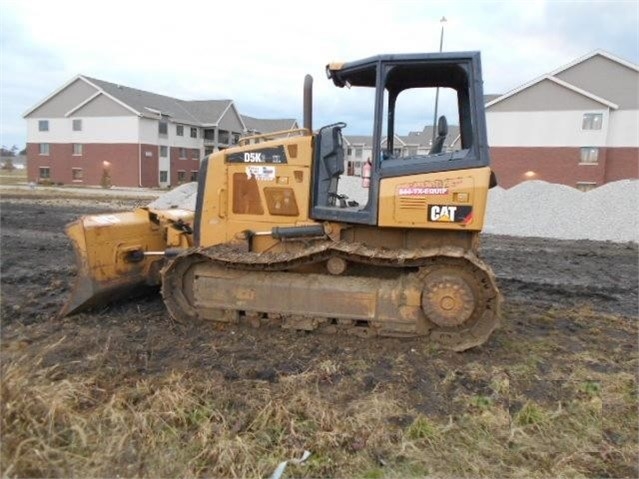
{"x":262,"y":155}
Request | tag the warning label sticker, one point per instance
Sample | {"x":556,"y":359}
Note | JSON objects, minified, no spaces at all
{"x":261,"y":173}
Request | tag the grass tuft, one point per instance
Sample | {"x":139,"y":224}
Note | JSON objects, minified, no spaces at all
{"x":530,"y":415}
{"x":422,"y":428}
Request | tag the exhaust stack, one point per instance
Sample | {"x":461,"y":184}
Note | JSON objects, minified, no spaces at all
{"x":308,"y":103}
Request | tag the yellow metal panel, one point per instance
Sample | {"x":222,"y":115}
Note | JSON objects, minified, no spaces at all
{"x":453,"y":200}
{"x":222,"y":219}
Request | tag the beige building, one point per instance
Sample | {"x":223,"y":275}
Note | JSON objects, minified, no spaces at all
{"x":577,"y":125}
{"x":89,"y":129}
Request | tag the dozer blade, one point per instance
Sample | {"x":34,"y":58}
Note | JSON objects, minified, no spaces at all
{"x":110,"y":258}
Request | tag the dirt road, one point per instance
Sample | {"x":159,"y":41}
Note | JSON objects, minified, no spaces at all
{"x":570,"y":315}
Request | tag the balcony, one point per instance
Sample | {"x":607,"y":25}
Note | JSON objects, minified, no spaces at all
{"x":226,"y":138}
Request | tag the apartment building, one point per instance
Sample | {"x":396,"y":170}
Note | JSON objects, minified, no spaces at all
{"x":256,"y":126}
{"x":89,"y":129}
{"x":359,"y":148}
{"x":577,"y":125}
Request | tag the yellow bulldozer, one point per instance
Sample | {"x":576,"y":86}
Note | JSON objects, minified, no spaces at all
{"x":273,"y":242}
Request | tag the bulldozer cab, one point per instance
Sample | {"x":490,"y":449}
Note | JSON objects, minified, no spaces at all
{"x":391,"y":77}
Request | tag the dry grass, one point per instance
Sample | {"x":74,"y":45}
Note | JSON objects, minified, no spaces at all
{"x":13,"y":177}
{"x":186,"y":424}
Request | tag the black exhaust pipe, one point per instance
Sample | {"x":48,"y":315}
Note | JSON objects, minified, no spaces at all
{"x":308,"y":103}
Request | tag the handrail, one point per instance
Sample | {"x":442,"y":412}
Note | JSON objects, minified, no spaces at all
{"x":276,"y":134}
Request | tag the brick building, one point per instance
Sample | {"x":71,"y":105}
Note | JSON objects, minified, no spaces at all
{"x":89,"y":128}
{"x":578,"y":125}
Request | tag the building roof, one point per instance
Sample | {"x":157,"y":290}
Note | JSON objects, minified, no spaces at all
{"x":414,"y":138}
{"x":267,"y":125}
{"x":208,"y":111}
{"x":490,"y":97}
{"x":149,"y":104}
{"x":425,"y":137}
{"x":588,"y":56}
{"x":359,"y":140}
{"x":553,"y":77}
{"x":152,"y":104}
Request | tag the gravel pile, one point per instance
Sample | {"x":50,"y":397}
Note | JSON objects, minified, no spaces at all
{"x":535,"y":208}
{"x":617,"y":207}
{"x":532,"y":208}
{"x":547,"y":210}
{"x":183,"y":197}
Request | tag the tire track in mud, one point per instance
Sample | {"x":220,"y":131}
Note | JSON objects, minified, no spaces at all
{"x":565,"y":273}
{"x":37,"y":262}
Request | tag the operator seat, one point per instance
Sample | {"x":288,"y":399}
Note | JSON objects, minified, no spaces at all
{"x":442,"y":132}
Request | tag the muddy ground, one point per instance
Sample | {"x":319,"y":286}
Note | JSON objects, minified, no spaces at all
{"x":569,"y":306}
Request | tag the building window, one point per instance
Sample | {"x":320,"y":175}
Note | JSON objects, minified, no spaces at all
{"x":44,"y":149}
{"x":164,"y":176}
{"x":163,"y":128}
{"x":236,"y":138}
{"x":43,"y":125}
{"x":77,"y":125}
{"x":589,"y":156}
{"x":358,"y":152}
{"x":592,"y":121}
{"x":586,"y":185}
{"x":76,"y":174}
{"x":193,"y":175}
{"x":182,"y":153}
{"x":181,"y":176}
{"x":412,"y":151}
{"x":179,"y":130}
{"x":193,"y":132}
{"x":164,"y":151}
{"x":77,"y":149}
{"x":45,"y":172}
{"x":349,"y":151}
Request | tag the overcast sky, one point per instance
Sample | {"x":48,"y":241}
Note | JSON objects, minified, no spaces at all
{"x":257,"y":53}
